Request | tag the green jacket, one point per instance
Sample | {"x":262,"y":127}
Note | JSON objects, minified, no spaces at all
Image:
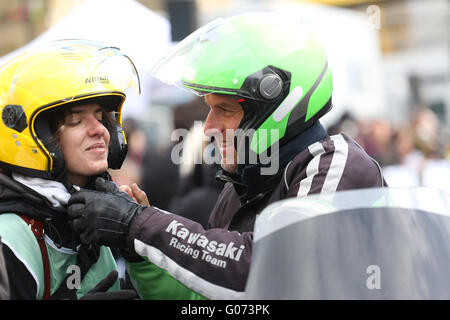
{"x":154,"y":283}
{"x":24,"y":261}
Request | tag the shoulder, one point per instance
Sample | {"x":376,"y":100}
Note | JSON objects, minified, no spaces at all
{"x":333,"y":152}
{"x":335,"y":163}
{"x":15,"y":231}
{"x":360,"y":170}
{"x":17,"y":237}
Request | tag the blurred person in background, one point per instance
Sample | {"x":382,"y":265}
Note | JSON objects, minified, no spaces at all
{"x":348,"y":124}
{"x":60,"y":129}
{"x":374,"y":135}
{"x":198,"y":188}
{"x":427,"y":133}
{"x":378,"y":141}
{"x":129,"y":175}
{"x":267,"y":82}
{"x":130,"y":171}
{"x":404,"y":172}
{"x":421,"y":154}
{"x":157,"y":164}
{"x":433,"y":169}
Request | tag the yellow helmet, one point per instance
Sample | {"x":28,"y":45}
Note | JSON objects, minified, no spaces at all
{"x":61,"y":73}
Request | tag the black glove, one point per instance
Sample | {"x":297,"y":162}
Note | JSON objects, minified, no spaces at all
{"x":99,"y":292}
{"x":102,"y":218}
{"x":110,"y":187}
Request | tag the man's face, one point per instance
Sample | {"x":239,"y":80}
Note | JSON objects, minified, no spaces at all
{"x":223,"y":119}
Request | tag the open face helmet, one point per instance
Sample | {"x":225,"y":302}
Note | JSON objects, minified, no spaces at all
{"x":44,"y":79}
{"x":276,"y":64}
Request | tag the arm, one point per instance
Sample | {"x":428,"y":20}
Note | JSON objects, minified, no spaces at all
{"x":22,"y":285}
{"x":337,"y":164}
{"x":213,"y":263}
{"x":4,"y":283}
{"x":154,"y":283}
{"x":23,"y":258}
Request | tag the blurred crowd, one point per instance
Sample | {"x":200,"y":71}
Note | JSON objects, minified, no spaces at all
{"x":413,"y":153}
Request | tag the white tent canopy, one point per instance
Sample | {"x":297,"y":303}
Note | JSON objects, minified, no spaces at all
{"x":139,"y":32}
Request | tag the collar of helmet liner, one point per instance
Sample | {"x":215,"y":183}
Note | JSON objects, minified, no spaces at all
{"x":256,"y":183}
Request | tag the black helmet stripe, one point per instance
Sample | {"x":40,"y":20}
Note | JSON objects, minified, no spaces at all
{"x":301,"y":108}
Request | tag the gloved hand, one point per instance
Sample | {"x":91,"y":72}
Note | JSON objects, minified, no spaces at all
{"x":100,"y":217}
{"x":110,"y":187}
{"x":99,"y":292}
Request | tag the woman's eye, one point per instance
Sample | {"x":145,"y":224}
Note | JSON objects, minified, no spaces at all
{"x":72,"y":120}
{"x":99,"y":116}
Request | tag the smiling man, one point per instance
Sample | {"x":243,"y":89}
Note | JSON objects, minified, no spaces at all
{"x":223,"y":119}
{"x":267,"y":82}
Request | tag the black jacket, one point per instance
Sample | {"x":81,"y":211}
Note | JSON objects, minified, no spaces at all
{"x":311,"y":163}
{"x":4,"y":283}
{"x":20,"y":199}
{"x":197,"y":194}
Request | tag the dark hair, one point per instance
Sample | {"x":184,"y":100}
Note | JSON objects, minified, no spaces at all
{"x":58,"y":120}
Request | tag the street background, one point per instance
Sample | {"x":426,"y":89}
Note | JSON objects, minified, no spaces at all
{"x":391,"y":78}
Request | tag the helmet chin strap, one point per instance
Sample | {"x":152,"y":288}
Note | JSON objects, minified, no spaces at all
{"x":255,"y":113}
{"x":71,"y":188}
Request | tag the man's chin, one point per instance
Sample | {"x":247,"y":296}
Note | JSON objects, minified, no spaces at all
{"x":231,"y":168}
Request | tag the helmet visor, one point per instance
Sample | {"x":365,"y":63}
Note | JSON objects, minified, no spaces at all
{"x":118,"y":69}
{"x":198,"y":62}
{"x":66,"y":70}
{"x":220,"y":56}
{"x":100,"y":60}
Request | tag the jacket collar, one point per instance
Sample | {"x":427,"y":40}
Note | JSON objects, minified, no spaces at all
{"x":250,"y":183}
{"x":19,"y":198}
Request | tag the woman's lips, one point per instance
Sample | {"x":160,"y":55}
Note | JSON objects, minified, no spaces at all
{"x":97,"y":148}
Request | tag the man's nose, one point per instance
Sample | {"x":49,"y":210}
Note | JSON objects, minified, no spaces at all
{"x":213,"y":126}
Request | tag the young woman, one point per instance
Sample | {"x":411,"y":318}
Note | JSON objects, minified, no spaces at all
{"x":60,"y":129}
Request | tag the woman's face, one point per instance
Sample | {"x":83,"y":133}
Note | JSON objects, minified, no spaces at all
{"x":84,"y":141}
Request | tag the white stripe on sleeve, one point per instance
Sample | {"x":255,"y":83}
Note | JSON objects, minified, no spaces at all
{"x":337,"y":164}
{"x":188,"y":278}
{"x":316,"y":149}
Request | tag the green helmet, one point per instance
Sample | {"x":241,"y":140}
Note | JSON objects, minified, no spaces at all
{"x":276,"y":64}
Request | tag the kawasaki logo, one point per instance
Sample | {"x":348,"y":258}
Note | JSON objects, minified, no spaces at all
{"x":218,"y":248}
